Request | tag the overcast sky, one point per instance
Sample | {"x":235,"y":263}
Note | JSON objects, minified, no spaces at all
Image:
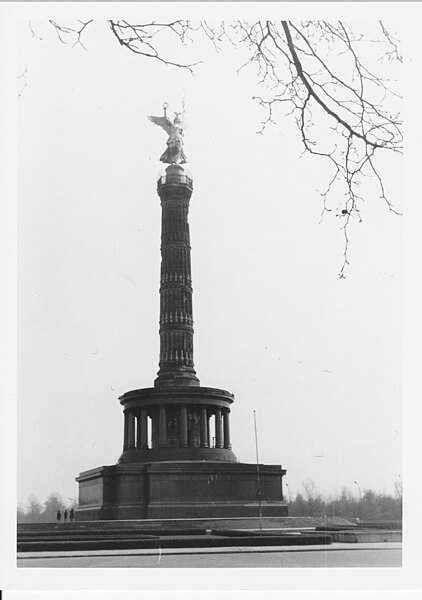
{"x":319,"y":359}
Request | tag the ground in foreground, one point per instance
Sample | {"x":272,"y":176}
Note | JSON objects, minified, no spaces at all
{"x":335,"y":555}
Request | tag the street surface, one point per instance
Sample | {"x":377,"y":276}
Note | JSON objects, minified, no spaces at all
{"x":336,"y":555}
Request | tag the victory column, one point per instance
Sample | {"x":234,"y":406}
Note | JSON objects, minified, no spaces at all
{"x":171,"y":466}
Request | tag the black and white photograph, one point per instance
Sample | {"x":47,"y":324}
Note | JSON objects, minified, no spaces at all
{"x":210,"y":208}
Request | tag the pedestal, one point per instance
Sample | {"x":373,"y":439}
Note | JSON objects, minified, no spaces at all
{"x":179,"y":490}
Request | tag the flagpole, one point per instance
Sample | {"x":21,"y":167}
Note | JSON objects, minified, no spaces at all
{"x":257,"y":475}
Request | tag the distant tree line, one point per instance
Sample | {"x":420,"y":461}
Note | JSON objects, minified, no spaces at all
{"x":35,"y":512}
{"x":368,"y":506}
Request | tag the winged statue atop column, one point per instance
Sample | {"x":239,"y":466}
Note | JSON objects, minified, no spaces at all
{"x":174,"y":154}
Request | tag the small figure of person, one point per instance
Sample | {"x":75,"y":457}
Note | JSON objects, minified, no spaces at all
{"x":58,"y":516}
{"x":65,"y":515}
{"x":71,"y":515}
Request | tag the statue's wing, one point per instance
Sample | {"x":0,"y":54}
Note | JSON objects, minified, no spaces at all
{"x":163,"y":122}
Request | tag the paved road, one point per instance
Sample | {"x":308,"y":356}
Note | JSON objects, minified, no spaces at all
{"x":336,"y":555}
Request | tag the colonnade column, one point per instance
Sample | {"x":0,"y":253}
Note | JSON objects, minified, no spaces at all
{"x":163,"y":427}
{"x":204,"y":428}
{"x":155,"y":429}
{"x":218,"y":429}
{"x":183,"y":426}
{"x":131,"y":431}
{"x":226,"y":425}
{"x":126,"y":430}
{"x":136,"y":428}
{"x":138,"y":431}
{"x":144,"y":430}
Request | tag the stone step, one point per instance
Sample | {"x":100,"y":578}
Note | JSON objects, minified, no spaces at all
{"x":380,"y":524}
{"x":187,"y":524}
{"x":104,"y":533}
{"x":208,"y":541}
{"x":367,"y":536}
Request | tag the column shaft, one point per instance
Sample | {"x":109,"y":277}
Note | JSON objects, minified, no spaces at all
{"x":125,"y":430}
{"x":176,"y":318}
{"x":131,"y":432}
{"x":163,"y":427}
{"x":183,"y":426}
{"x":218,"y":429}
{"x":226,"y":425}
{"x":155,"y":429}
{"x":138,"y":431}
{"x":204,"y":432}
{"x":144,"y":430}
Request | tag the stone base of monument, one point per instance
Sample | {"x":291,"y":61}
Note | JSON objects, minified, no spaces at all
{"x":179,"y":490}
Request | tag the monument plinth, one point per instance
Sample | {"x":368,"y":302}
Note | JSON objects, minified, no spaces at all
{"x":177,"y":460}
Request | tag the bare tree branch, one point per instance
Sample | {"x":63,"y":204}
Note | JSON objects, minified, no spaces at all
{"x":71,"y":34}
{"x":345,"y":112}
{"x":143,"y":39}
{"x":291,"y":58}
{"x":393,"y":53}
{"x":34,"y":35}
{"x":23,"y":76}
